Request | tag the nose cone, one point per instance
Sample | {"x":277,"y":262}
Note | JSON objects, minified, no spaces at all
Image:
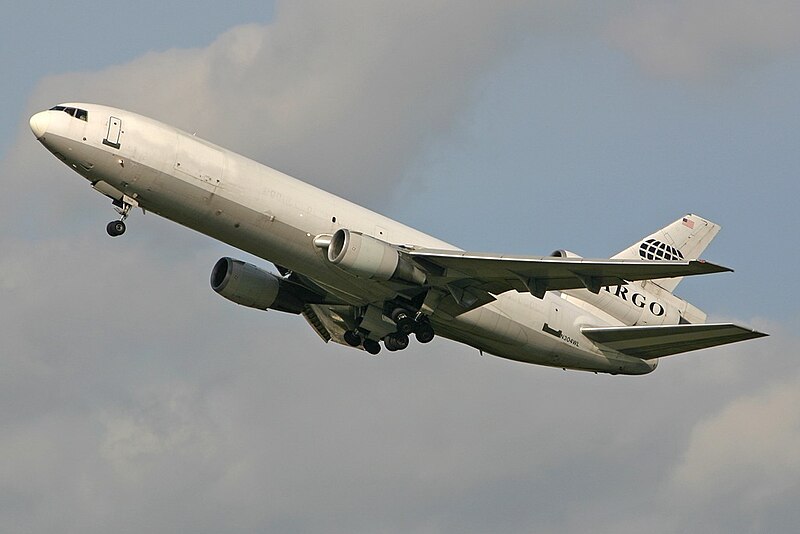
{"x":39,"y":123}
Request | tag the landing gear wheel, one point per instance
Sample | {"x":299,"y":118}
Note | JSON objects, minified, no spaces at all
{"x":115,"y":228}
{"x":395,"y":342}
{"x":424,"y":333}
{"x":352,"y":338}
{"x":372,"y":346}
{"x":405,"y":323}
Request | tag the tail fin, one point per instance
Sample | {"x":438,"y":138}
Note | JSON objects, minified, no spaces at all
{"x":686,"y":239}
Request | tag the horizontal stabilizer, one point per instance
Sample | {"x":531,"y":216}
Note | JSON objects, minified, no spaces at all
{"x":650,"y":342}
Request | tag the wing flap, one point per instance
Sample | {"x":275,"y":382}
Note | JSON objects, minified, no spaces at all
{"x":329,"y":321}
{"x":650,"y":342}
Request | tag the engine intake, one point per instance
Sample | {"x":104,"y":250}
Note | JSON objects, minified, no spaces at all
{"x":367,"y":257}
{"x":248,"y":285}
{"x":564,"y":254}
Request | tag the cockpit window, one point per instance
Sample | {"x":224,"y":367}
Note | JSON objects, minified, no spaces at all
{"x":81,"y":114}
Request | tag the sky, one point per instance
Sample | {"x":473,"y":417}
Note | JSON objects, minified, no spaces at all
{"x":133,"y":398}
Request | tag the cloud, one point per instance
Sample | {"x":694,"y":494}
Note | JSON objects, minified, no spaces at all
{"x":344,"y":95}
{"x":248,"y":422}
{"x":748,"y":450}
{"x":706,"y":39}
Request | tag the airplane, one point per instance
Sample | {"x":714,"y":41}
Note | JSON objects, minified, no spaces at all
{"x":361,"y":279}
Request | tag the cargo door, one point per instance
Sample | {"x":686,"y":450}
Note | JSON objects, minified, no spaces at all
{"x":113,"y":132}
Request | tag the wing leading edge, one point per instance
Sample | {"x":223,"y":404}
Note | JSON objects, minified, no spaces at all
{"x":537,"y":275}
{"x":650,"y":342}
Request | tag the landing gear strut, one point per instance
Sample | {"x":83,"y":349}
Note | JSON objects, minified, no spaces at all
{"x":405,"y":323}
{"x":123,"y":207}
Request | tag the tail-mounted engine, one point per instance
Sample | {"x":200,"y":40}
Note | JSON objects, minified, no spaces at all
{"x":367,"y":257}
{"x":564,"y":254}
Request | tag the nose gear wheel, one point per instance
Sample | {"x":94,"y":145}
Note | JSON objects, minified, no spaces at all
{"x":123,"y":207}
{"x":115,"y":228}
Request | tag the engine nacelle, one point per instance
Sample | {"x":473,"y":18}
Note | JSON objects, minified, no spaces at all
{"x":564,"y":254}
{"x":367,"y":257}
{"x":248,"y":285}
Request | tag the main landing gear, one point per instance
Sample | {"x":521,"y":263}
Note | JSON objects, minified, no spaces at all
{"x":406,"y":325}
{"x":354,"y":339}
{"x":418,"y":325}
{"x":123,"y":207}
{"x":396,"y":341}
{"x":372,"y":346}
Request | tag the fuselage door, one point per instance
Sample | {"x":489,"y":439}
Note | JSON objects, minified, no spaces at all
{"x":114,"y":130}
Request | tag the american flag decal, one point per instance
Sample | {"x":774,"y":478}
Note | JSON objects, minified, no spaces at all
{"x":687,"y":222}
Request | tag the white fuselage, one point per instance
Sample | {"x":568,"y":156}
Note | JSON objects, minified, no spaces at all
{"x":276,"y":217}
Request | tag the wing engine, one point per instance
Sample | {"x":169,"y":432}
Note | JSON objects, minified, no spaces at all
{"x":367,"y":257}
{"x":248,"y":285}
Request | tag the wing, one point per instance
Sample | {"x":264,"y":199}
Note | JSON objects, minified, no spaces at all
{"x":650,"y":342}
{"x":467,"y":274}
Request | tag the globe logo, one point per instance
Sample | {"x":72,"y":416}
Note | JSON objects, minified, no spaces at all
{"x":652,"y":249}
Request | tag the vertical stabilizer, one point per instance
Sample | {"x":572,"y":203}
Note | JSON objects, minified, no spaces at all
{"x":684,"y":239}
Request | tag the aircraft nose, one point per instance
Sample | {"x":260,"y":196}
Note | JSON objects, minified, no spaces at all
{"x":39,"y":123}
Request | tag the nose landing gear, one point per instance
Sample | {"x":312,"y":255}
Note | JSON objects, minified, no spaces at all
{"x":123,"y":207}
{"x":115,"y":228}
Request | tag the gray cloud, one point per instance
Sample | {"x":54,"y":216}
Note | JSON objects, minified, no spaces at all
{"x":343,"y":94}
{"x":744,"y":458}
{"x":126,"y":410}
{"x":706,"y":39}
{"x":154,"y":423}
